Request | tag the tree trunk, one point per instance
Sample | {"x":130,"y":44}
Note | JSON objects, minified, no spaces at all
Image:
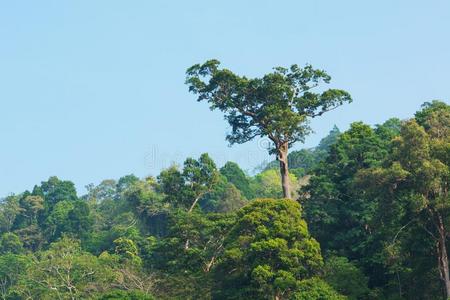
{"x":193,"y":204}
{"x":284,"y":170}
{"x":186,"y":245}
{"x":443,"y":256}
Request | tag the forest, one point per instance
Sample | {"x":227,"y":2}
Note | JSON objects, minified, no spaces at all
{"x":363,"y":215}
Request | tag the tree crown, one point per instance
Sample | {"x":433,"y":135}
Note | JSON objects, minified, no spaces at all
{"x":278,"y":105}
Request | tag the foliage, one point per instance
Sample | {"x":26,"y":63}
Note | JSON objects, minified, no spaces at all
{"x":315,"y":289}
{"x":234,"y":175}
{"x":124,"y":295}
{"x":185,"y":188}
{"x":12,"y":268}
{"x":267,"y":184}
{"x":267,"y":251}
{"x":303,"y":161}
{"x":10,"y":243}
{"x":380,"y":199}
{"x":64,"y":271}
{"x":346,"y":278}
{"x":276,"y":105}
{"x":374,"y":197}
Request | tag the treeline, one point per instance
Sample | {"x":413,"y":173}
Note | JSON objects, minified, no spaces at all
{"x":369,"y":220}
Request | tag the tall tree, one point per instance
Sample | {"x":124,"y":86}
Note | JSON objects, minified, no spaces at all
{"x":277,"y":106}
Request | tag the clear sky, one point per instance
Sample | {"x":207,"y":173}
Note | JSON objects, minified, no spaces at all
{"x":91,"y":90}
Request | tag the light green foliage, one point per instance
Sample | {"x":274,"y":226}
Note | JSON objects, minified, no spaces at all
{"x":428,"y":108}
{"x":56,"y":222}
{"x":267,"y":252}
{"x":32,"y":237}
{"x":316,"y":289}
{"x":127,"y":250}
{"x":10,"y":243}
{"x":267,"y":184}
{"x":65,"y":272}
{"x":126,"y":182}
{"x":389,"y":129}
{"x":200,"y":177}
{"x":142,"y":198}
{"x":172,"y":184}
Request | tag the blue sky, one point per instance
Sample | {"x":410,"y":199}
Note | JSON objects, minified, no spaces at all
{"x":91,"y":90}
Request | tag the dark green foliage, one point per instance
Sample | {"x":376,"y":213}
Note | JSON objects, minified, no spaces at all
{"x":125,"y":182}
{"x":346,"y":278}
{"x":236,"y":176}
{"x":328,"y":141}
{"x":231,"y":201}
{"x":55,"y":190}
{"x":224,"y":197}
{"x":172,"y":184}
{"x":79,"y":220}
{"x":190,"y":251}
{"x":12,"y":268}
{"x":380,"y":199}
{"x":338,"y":214}
{"x":389,"y":129}
{"x":69,"y":217}
{"x":184,"y":188}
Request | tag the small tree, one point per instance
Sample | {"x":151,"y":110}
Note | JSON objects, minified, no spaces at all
{"x":278,"y":105}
